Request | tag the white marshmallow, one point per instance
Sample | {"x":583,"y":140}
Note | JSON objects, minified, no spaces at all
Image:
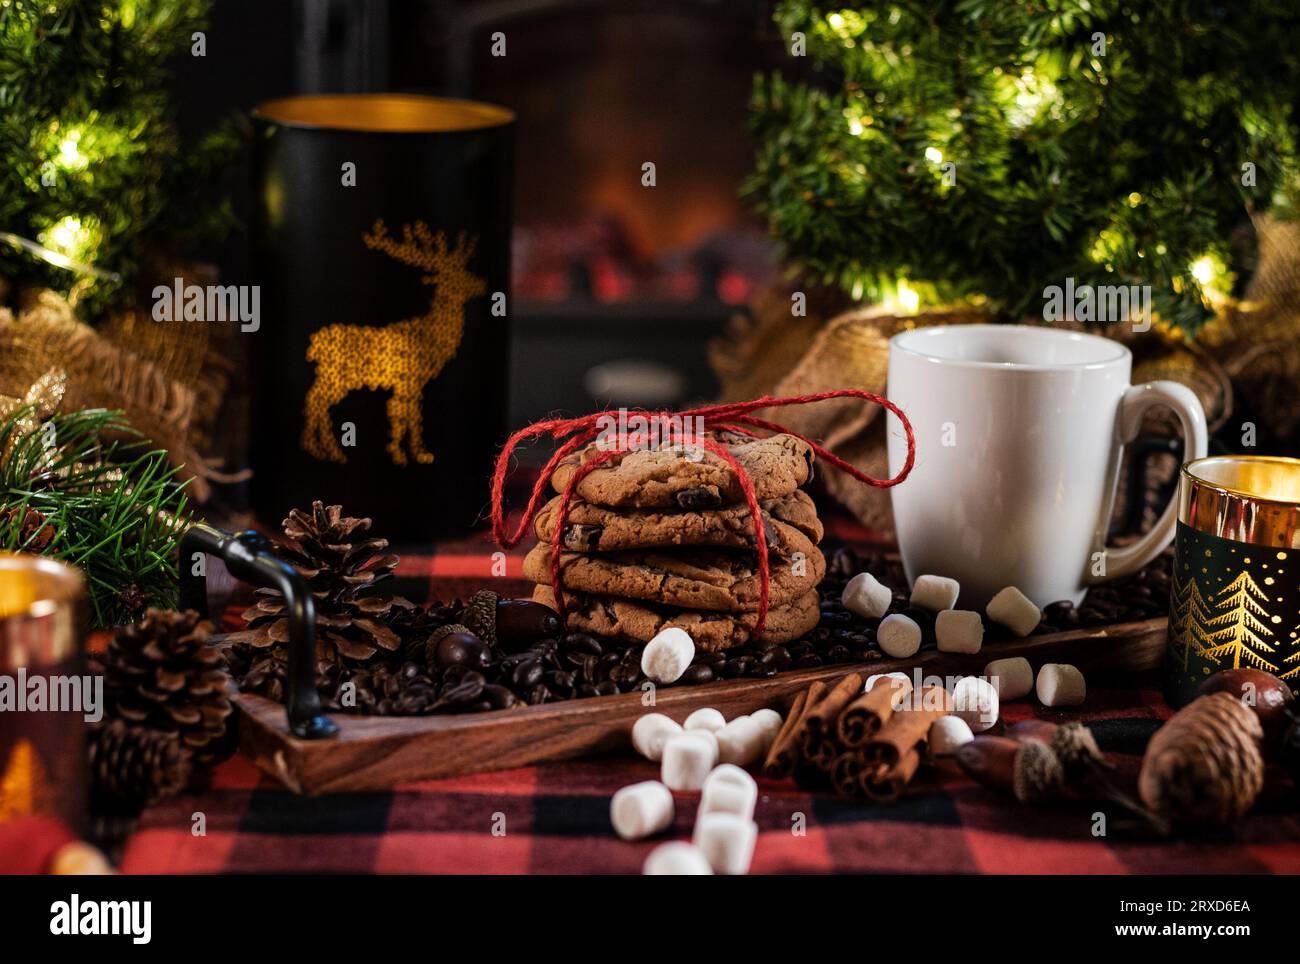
{"x":650,"y":732}
{"x":727,"y":841}
{"x":740,"y":741}
{"x":666,"y":657}
{"x":959,"y":631}
{"x":729,"y":789}
{"x":866,"y":597}
{"x":1060,"y":684}
{"x":770,"y":722}
{"x":641,"y":810}
{"x":1012,"y":677}
{"x":688,"y":758}
{"x":947,"y":733}
{"x":676,"y":859}
{"x":705,"y":718}
{"x":892,"y":678}
{"x":705,"y":736}
{"x":898,"y":636}
{"x":975,"y":701}
{"x":1013,"y":609}
{"x":935,"y":593}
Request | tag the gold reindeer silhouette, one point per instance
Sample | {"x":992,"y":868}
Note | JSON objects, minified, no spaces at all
{"x":402,"y":356}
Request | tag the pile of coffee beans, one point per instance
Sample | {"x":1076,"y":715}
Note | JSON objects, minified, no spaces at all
{"x":445,"y":666}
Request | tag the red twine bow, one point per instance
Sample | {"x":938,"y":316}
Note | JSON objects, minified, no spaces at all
{"x":734,"y":417}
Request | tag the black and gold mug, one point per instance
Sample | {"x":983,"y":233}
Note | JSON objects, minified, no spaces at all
{"x":383,"y":258}
{"x":1235,"y":598}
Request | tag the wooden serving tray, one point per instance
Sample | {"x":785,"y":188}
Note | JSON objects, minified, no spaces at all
{"x":377,"y":752}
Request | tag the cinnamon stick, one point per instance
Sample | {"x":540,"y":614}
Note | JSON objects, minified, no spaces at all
{"x":888,"y":785}
{"x":845,"y":772}
{"x":863,"y":718}
{"x":906,"y":730}
{"x":818,"y":737}
{"x":784,"y":754}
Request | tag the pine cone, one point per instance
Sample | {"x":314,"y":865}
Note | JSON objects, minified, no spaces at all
{"x":34,"y":533}
{"x":132,"y":766}
{"x":162,"y":673}
{"x":340,"y":563}
{"x":1204,"y":767}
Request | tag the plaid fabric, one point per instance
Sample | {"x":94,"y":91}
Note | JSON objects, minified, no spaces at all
{"x":555,"y":818}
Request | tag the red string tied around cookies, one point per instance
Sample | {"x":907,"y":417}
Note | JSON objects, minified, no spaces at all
{"x":576,"y":433}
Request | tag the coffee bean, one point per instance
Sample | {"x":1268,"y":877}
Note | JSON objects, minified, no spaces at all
{"x":527,"y":674}
{"x":582,"y":643}
{"x":500,"y":697}
{"x":697,"y":673}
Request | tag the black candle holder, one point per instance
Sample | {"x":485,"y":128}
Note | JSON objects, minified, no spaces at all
{"x":249,"y":556}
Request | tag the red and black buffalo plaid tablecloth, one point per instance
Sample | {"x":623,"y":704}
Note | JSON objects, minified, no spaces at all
{"x":555,"y":818}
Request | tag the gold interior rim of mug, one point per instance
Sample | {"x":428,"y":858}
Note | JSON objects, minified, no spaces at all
{"x":1265,"y":468}
{"x":1119,"y":352}
{"x":383,"y":113}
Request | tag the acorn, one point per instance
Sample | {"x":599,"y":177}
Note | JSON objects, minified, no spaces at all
{"x":480,"y":615}
{"x":522,"y":622}
{"x":1028,"y":769}
{"x":455,"y":645}
{"x":1073,"y":744}
{"x":1263,"y":693}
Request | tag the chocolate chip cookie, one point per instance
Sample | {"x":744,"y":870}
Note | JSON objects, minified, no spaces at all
{"x":663,"y":478}
{"x":595,"y":528}
{"x":710,"y":631}
{"x":698,"y":578}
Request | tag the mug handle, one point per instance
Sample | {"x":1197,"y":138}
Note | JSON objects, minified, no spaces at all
{"x":1122,"y":560}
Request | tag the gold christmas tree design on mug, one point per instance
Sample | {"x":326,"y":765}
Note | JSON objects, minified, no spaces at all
{"x":24,"y":787}
{"x":1241,"y":629}
{"x":402,"y":357}
{"x":1188,"y":615}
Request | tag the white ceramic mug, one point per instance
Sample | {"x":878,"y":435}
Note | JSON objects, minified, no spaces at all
{"x":1019,"y":432}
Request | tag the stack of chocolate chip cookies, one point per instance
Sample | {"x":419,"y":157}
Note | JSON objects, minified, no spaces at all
{"x":655,"y":539}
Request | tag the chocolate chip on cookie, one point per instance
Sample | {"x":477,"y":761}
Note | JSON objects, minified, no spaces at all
{"x":699,"y":497}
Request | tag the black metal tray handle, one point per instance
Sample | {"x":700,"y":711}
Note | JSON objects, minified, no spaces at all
{"x":249,"y":556}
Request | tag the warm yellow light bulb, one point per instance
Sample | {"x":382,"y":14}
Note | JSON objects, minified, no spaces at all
{"x":908,"y":298}
{"x":1203,"y":269}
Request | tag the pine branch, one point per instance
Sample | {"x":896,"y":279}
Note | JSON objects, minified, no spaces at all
{"x":1122,"y":167}
{"x":116,"y":506}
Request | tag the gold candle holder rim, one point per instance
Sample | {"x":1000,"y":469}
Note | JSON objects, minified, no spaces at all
{"x":60,"y":584}
{"x":383,"y":113}
{"x":1190,"y":475}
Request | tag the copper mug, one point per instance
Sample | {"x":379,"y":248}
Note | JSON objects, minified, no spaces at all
{"x":45,"y":698}
{"x":1235,"y":592}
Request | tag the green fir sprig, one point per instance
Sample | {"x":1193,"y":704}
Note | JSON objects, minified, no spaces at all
{"x":980,"y":149}
{"x":116,"y":507}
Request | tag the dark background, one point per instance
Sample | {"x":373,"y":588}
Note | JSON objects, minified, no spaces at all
{"x":617,"y":288}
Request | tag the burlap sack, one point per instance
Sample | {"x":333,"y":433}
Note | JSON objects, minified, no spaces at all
{"x":169,"y":380}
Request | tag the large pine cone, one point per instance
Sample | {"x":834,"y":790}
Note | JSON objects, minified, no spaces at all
{"x":1204,"y":766}
{"x":162,"y":673}
{"x":132,"y":766}
{"x":340,"y":564}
